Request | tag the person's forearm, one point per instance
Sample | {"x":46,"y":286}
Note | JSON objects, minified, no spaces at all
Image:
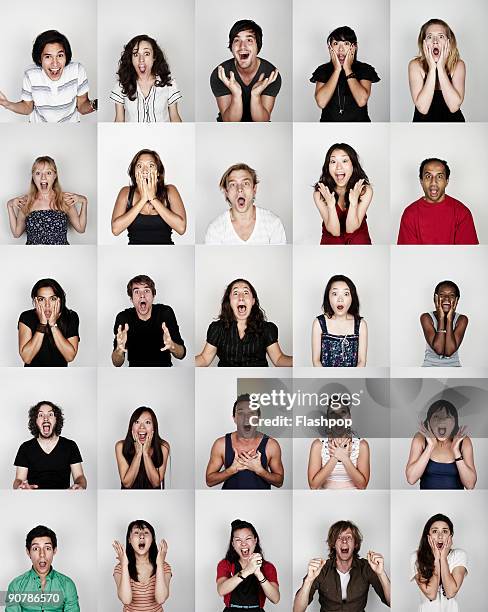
{"x":235,"y":109}
{"x":176,"y":222}
{"x":448,"y":583}
{"x":80,"y":481}
{"x":80,"y":226}
{"x":85,"y":108}
{"x":31,"y":348}
{"x":151,"y":470}
{"x":284,"y":361}
{"x":200,"y":361}
{"x":385,"y":583}
{"x":15,"y":226}
{"x":64,"y":346}
{"x":215,"y":478}
{"x":129,"y":477}
{"x":300,"y":603}
{"x":451,"y":96}
{"x":122,"y":222}
{"x":360,"y":95}
{"x":271,"y":591}
{"x":325,"y":93}
{"x":415,"y":470}
{"x":274,"y":478}
{"x":426,"y":95}
{"x":357,"y":478}
{"x":332,"y":225}
{"x":466,"y":474}
{"x":21,"y":108}
{"x":439,"y":343}
{"x":17,"y":483}
{"x":258,"y":110}
{"x":118,"y":357}
{"x":451,"y":345}
{"x":161,"y":590}
{"x":227,"y":586}
{"x":124,"y":591}
{"x":352,"y":219}
{"x":178,"y":351}
{"x":321,"y":476}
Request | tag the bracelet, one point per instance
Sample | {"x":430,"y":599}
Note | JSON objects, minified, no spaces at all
{"x":263,"y":580}
{"x":42,"y":328}
{"x":94,"y":104}
{"x":239,"y":574}
{"x":459,"y":458}
{"x":51,"y":326}
{"x":351,"y":76}
{"x":442,"y":331}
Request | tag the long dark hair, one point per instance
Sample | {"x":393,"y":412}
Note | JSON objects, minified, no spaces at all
{"x":127,"y":74}
{"x":131,"y":555}
{"x":425,"y":556}
{"x":257,"y":316}
{"x":450,"y":409}
{"x":128,"y":448}
{"x":231,"y":554}
{"x":161,"y":188}
{"x":357,"y":171}
{"x":354,"y":308}
{"x":64,"y":312}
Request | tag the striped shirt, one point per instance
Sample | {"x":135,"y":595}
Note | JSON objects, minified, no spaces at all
{"x":147,"y":109}
{"x":54,"y":101}
{"x":268,"y":229}
{"x":142,"y":595}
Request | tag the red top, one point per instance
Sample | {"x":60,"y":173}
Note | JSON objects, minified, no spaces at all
{"x":226,"y":569}
{"x":446,"y":222}
{"x":360,"y":236}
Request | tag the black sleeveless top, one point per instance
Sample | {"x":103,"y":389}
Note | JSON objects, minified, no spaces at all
{"x":147,"y":229}
{"x":438,"y":111}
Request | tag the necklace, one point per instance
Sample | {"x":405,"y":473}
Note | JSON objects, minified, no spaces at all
{"x":341,"y":108}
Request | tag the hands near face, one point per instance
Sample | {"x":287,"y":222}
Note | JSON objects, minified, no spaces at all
{"x":456,"y":441}
{"x":147,"y":185}
{"x":340,"y":448}
{"x":54,"y":316}
{"x":261,"y":84}
{"x":230,"y":82}
{"x":121,"y":554}
{"x":162,"y":552}
{"x":143,"y":448}
{"x":254,"y":564}
{"x":327,"y":195}
{"x":349,"y":59}
{"x":376,"y":562}
{"x":428,"y":435}
{"x":452,"y":309}
{"x":440,"y":553}
{"x":444,"y":53}
{"x":41,"y":311}
{"x":429,"y":56}
{"x":356,"y":192}
{"x":41,"y":315}
{"x":335,"y":60}
{"x":122,"y":337}
{"x":314,"y":568}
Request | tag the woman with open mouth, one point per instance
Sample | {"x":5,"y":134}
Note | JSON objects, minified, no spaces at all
{"x":444,"y":328}
{"x":441,"y":454}
{"x":241,"y":337}
{"x":142,"y":574}
{"x":45,"y":212}
{"x":343,"y":84}
{"x":437,"y":75}
{"x":148,"y":209}
{"x":340,"y":334}
{"x":142,"y":456}
{"x":145,"y":91}
{"x":438,"y":568}
{"x":244,"y":579}
{"x":342,"y":196}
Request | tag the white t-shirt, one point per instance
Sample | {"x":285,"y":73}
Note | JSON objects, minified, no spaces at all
{"x":344,"y":578}
{"x":54,"y":101}
{"x":147,"y":109}
{"x":268,"y":229}
{"x":455,"y":558}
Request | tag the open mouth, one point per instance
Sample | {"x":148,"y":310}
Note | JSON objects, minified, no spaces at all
{"x":142,"y":437}
{"x":242,"y":309}
{"x":436,"y":51}
{"x":340,"y":307}
{"x":241,"y":201}
{"x":440,"y":545}
{"x":42,"y":564}
{"x":142,"y":68}
{"x":344,"y":550}
{"x":54,"y":72}
{"x":247,"y":427}
{"x":244,"y":55}
{"x":141,"y":545}
{"x":340,"y":176}
{"x":433,"y":193}
{"x":44,"y":184}
{"x":46,"y":428}
{"x":442,"y":431}
{"x":142,"y":305}
{"x":245,"y":552}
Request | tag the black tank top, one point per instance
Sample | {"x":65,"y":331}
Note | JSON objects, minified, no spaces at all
{"x":439,"y":111}
{"x":147,"y":229}
{"x":245,"y":479}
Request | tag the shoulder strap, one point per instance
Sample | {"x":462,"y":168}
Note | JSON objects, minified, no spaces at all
{"x":323,"y":324}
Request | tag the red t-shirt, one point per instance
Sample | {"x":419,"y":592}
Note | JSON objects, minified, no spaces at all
{"x":446,"y":222}
{"x":226,"y":569}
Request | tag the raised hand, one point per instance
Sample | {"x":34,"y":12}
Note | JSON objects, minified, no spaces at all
{"x":17,"y":204}
{"x":376,"y":562}
{"x":452,"y":309}
{"x":349,"y":59}
{"x":261,"y":84}
{"x":427,"y":433}
{"x":41,"y":315}
{"x":314,"y":568}
{"x":435,"y":551}
{"x":146,"y":447}
{"x":54,"y":312}
{"x":138,"y":445}
{"x":229,"y":81}
{"x":162,"y":552}
{"x":152,"y":184}
{"x":122,"y":337}
{"x":3,"y":99}
{"x":429,"y":56}
{"x":120,"y":552}
{"x":444,"y":53}
{"x":327,"y":195}
{"x":335,"y":60}
{"x":458,"y":438}
{"x":254,"y":563}
{"x":438,"y":308}
{"x":446,"y":547}
{"x":355,"y":192}
{"x":167,"y":342}
{"x":142,"y":186}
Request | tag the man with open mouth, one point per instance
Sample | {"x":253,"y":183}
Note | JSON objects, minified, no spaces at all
{"x":246,"y":86}
{"x":436,"y":218}
{"x":48,"y":460}
{"x":147,"y":332}
{"x":54,"y":591}
{"x":244,"y":222}
{"x":343,"y":580}
{"x":249,"y":458}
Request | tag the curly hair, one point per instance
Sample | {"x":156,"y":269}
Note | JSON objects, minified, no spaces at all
{"x":127,"y":74}
{"x":425,"y":556}
{"x":33,"y":412}
{"x":257,"y":316}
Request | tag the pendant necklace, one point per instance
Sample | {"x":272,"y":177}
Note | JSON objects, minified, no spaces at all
{"x":341,"y":108}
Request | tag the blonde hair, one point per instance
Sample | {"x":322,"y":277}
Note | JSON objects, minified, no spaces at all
{"x":453,"y":57}
{"x":58,"y":203}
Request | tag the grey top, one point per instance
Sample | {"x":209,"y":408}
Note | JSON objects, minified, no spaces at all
{"x":432,"y":359}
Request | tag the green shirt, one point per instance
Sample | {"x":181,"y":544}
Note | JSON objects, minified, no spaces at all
{"x":55,"y":582}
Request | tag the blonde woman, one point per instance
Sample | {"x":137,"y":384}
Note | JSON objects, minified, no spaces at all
{"x":437,"y":75}
{"x":43,"y":214}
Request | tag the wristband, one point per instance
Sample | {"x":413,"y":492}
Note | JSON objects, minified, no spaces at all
{"x":351,"y":76}
{"x":51,"y":326}
{"x":42,"y":328}
{"x":239,"y":574}
{"x":263,"y":580}
{"x":94,"y":104}
{"x":459,"y":458}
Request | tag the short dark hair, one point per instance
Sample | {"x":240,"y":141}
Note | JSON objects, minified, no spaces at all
{"x":244,"y":397}
{"x":434,"y":159}
{"x":58,"y":413}
{"x":343,"y":33}
{"x":450,"y":409}
{"x":246,"y":24}
{"x":326,"y":306}
{"x":450,"y":284}
{"x":40,"y":532}
{"x":48,"y":38}
{"x":141,"y":279}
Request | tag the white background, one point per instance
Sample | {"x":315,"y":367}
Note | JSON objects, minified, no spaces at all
{"x":23,"y":21}
{"x":313,"y":514}
{"x":213,"y":417}
{"x":410,"y":510}
{"x":310,"y":145}
{"x":271,"y":516}
{"x":465,"y":149}
{"x":368,"y":268}
{"x":23,"y":389}
{"x":468,"y":26}
{"x":170,"y":395}
{"x":267,"y":269}
{"x":172,"y":515}
{"x":169,"y":23}
{"x":171,"y":269}
{"x":266,"y":148}
{"x":119,"y":143}
{"x":75,"y":526}
{"x":212,"y":39}
{"x":313,"y":21}
{"x":74,"y":267}
{"x":415,"y":272}
{"x":75,"y":154}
